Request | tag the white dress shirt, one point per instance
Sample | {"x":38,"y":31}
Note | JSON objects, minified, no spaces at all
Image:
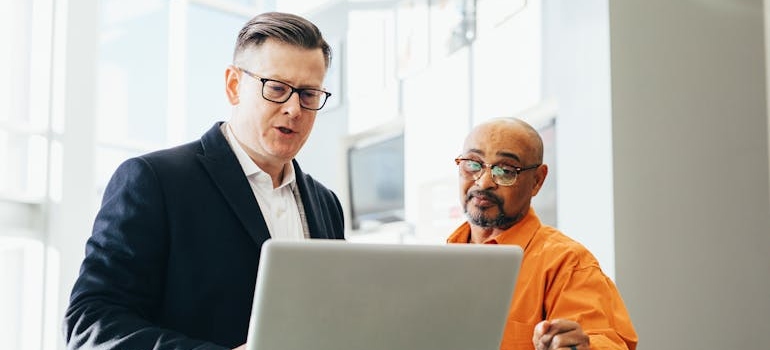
{"x":278,"y":205}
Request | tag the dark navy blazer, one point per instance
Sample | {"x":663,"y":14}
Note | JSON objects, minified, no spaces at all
{"x":172,"y":260}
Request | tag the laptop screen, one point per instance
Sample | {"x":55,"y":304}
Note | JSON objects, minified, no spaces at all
{"x":339,"y":295}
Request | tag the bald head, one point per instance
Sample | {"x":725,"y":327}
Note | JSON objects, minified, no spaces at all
{"x":508,"y":133}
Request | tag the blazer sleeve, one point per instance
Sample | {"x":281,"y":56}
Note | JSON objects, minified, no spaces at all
{"x":121,"y":281}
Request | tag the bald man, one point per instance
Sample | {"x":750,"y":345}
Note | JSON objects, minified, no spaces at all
{"x":562,"y":299}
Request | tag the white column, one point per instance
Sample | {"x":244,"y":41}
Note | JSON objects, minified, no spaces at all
{"x":75,"y":64}
{"x":690,"y":143}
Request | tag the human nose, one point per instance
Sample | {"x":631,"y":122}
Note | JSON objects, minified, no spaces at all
{"x":293,"y":105}
{"x":484,"y":179}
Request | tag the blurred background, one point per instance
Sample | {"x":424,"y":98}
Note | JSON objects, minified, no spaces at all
{"x":653,"y":113}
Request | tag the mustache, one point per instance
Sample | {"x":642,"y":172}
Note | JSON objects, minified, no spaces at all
{"x":485,"y":193}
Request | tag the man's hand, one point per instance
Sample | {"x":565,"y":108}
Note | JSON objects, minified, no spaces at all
{"x":242,"y":347}
{"x":559,"y":334}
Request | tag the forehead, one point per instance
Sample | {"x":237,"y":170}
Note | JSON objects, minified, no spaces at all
{"x":292,"y":64}
{"x":499,"y":140}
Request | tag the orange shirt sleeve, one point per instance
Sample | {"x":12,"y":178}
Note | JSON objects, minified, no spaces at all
{"x":559,"y":278}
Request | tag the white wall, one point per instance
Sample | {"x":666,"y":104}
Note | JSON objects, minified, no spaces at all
{"x":690,"y":143}
{"x":576,"y":78}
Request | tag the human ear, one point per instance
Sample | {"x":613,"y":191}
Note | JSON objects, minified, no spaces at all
{"x":540,"y":174}
{"x":232,"y":82}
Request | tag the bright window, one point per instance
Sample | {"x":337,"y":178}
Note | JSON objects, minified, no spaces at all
{"x":211,"y":39}
{"x":371,"y":79}
{"x":132,"y":77}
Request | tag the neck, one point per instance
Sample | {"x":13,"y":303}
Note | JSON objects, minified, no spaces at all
{"x":276,"y":173}
{"x":263,"y":162}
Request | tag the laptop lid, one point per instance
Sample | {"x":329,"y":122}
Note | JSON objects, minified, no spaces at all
{"x":339,"y":295}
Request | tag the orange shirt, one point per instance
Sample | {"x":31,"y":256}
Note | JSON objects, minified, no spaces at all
{"x":559,"y":278}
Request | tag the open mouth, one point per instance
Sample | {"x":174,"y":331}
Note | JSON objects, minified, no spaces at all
{"x":285,"y":130}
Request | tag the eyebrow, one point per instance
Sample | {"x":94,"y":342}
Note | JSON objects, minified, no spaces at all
{"x":502,"y":154}
{"x":509,"y":155}
{"x":282,"y":80}
{"x":300,"y":87}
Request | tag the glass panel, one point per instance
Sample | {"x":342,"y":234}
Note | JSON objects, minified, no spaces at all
{"x":25,"y":157}
{"x":21,"y":266}
{"x":41,"y":47}
{"x":133,"y":68}
{"x":301,"y":7}
{"x":37,"y":163}
{"x":518,"y":87}
{"x":490,"y":14}
{"x":15,"y":19}
{"x":371,"y":78}
{"x":56,"y":173}
{"x":25,"y":31}
{"x":212,"y":36}
{"x":246,"y":2}
{"x":412,"y":37}
{"x":11,"y":259}
{"x":450,"y":28}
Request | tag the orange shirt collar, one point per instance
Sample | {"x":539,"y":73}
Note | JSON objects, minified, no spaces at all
{"x":519,"y":234}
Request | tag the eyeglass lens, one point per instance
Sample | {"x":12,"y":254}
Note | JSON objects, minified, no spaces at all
{"x":500,"y":175}
{"x":279,"y":92}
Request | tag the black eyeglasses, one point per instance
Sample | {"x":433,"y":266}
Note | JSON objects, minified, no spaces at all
{"x":280,"y":92}
{"x":503,"y":175}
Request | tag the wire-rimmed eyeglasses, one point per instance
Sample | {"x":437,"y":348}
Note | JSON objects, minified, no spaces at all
{"x":503,"y":175}
{"x":280,"y":92}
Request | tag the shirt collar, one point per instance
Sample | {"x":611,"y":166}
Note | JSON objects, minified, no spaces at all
{"x":519,"y":234}
{"x":250,"y":168}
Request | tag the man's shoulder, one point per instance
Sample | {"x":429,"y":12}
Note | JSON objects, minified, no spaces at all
{"x":556,"y":236}
{"x":553,"y":241}
{"x":178,"y":159}
{"x":174,"y":152}
{"x":308,"y":183}
{"x":316,"y":188}
{"x":212,"y":141}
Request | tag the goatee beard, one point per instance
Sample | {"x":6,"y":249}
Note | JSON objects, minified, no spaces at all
{"x":501,"y":221}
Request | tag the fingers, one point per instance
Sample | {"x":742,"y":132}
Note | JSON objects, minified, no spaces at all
{"x":541,"y":329}
{"x":559,"y":334}
{"x":541,"y":338}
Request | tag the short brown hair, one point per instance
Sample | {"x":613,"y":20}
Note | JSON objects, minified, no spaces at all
{"x":286,"y":27}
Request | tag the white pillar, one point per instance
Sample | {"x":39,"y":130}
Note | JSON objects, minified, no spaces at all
{"x":76,"y":36}
{"x":690,"y":143}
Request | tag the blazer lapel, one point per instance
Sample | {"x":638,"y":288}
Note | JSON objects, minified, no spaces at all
{"x":312,"y":205}
{"x":220,"y":162}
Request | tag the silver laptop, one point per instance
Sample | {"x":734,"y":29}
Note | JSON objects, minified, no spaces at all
{"x":338,"y":295}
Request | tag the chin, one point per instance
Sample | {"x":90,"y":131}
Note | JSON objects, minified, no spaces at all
{"x":500,"y":221}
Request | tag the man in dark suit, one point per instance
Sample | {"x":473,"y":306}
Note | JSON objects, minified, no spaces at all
{"x":172,"y":260}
